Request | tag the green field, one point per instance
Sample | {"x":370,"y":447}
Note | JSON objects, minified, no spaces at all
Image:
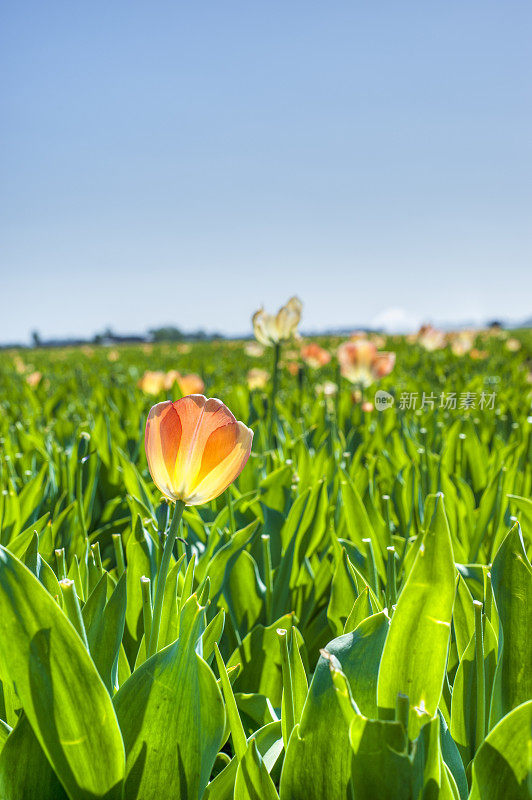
{"x":351,"y":619}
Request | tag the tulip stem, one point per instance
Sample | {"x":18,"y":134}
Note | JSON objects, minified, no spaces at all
{"x":402,"y":711}
{"x":72,"y":609}
{"x":337,"y":396}
{"x":275,"y":385}
{"x":268,"y":579}
{"x":360,"y":388}
{"x":371,"y":567}
{"x":480,"y":731}
{"x":391,"y":580}
{"x":119,"y":553}
{"x":145,"y":588}
{"x":161,"y":577}
{"x":302,"y":377}
{"x":61,"y":563}
{"x":232,"y":523}
{"x":288,"y":692}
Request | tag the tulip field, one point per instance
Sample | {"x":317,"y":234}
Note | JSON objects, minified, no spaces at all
{"x":316,"y":587}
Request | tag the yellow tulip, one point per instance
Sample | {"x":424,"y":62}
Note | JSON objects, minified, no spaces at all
{"x":195,"y":448}
{"x":257,"y":378}
{"x":152,"y":382}
{"x":430,"y":338}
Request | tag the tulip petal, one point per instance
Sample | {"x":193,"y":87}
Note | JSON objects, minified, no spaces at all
{"x":163,"y":437}
{"x":383,"y":364}
{"x":218,"y":446}
{"x":199,"y":418}
{"x":260,"y":327}
{"x":236,"y":444}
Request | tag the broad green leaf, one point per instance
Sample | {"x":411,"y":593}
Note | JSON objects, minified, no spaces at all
{"x":359,"y":525}
{"x":415,"y":654}
{"x":384,"y":764}
{"x":464,"y":716}
{"x":233,"y":721}
{"x":381,"y":766}
{"x":244,"y":592}
{"x":104,"y":623}
{"x":172,"y":718}
{"x":269,"y":743}
{"x":301,"y":534}
{"x":463,"y":616}
{"x":501,"y":769}
{"x":25,"y":772}
{"x":253,"y":781}
{"x":260,"y":660}
{"x":322,"y":736}
{"x":225,"y":558}
{"x":452,"y":760}
{"x":511,"y":579}
{"x":361,"y":610}
{"x":212,"y":635}
{"x":297,"y":681}
{"x":59,"y":687}
{"x":344,"y":592}
{"x":140,"y":556}
{"x":524,"y":504}
{"x":5,"y":730}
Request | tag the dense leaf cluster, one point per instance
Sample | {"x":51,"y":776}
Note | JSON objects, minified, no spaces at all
{"x":350,"y":620}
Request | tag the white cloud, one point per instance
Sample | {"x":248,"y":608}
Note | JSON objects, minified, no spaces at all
{"x":396,"y":320}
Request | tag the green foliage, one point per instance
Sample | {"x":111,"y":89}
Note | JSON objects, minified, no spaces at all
{"x":415,"y":654}
{"x":350,"y":620}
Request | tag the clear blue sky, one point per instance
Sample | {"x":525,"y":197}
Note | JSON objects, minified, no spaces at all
{"x":184,"y":162}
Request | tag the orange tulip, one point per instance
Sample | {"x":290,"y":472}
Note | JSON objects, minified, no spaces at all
{"x":191,"y":384}
{"x":152,"y":382}
{"x":20,"y":365}
{"x":361,"y":363}
{"x":33,"y":379}
{"x":171,"y":377}
{"x":195,"y":448}
{"x":314,"y":355}
{"x":292,"y":367}
{"x":188,"y":384}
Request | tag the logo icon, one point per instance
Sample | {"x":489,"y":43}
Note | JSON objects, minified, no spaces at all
{"x":383,"y":400}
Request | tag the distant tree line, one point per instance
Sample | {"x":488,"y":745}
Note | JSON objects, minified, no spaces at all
{"x":167,"y":333}
{"x":171,"y":334}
